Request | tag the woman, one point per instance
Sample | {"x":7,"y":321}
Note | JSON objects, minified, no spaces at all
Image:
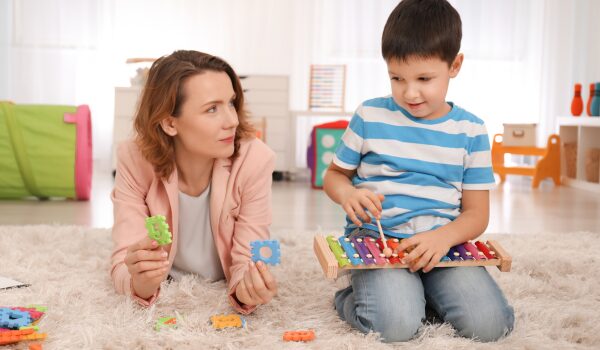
{"x":195,"y":160}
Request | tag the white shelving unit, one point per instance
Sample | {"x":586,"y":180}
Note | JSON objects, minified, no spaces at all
{"x":266,"y":96}
{"x":585,"y":131}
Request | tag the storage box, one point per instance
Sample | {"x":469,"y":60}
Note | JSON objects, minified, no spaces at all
{"x":519,"y":135}
{"x":571,"y":159}
{"x":592,"y":165}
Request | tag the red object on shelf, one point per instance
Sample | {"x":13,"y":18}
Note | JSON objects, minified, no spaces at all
{"x":588,"y":107}
{"x":577,"y":102}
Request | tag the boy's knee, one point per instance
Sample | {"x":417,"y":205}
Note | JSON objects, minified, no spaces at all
{"x":400,"y":328}
{"x":488,"y":329}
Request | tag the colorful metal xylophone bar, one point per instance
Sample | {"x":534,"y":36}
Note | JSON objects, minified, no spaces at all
{"x":342,"y":253}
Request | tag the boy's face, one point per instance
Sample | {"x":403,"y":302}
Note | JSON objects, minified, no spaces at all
{"x":419,"y":85}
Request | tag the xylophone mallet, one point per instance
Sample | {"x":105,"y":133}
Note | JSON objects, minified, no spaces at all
{"x":387,"y":251}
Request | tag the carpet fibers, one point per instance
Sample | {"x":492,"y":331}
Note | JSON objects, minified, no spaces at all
{"x":553,"y":287}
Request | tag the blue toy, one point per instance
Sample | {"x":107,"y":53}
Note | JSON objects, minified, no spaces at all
{"x":273,"y":245}
{"x":14,"y":319}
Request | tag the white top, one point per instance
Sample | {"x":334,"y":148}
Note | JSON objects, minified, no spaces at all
{"x":196,"y":250}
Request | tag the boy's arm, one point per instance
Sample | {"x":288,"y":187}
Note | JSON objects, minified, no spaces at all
{"x":338,"y":186}
{"x":431,"y":246}
{"x":472,"y":221}
{"x":337,"y":182}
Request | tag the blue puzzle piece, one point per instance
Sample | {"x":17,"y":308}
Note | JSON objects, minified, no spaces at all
{"x":272,"y":244}
{"x":14,"y":319}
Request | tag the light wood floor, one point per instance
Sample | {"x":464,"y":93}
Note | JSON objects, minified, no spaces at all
{"x":515,"y":208}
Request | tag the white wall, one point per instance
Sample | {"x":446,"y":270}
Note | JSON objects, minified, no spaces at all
{"x":516,"y":67}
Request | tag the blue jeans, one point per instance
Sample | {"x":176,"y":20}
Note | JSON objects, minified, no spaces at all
{"x":392,"y":302}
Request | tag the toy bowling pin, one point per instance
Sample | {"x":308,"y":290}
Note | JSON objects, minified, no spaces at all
{"x":595,"y":109}
{"x":588,"y":108}
{"x":577,"y":102}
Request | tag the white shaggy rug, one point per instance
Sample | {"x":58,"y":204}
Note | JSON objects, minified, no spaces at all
{"x":553,"y":286}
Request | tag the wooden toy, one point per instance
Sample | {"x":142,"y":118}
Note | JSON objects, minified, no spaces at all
{"x":272,"y":245}
{"x":327,"y":88}
{"x":341,"y":254}
{"x":158,"y":229}
{"x":304,"y":336}
{"x":547,"y":166}
{"x":387,"y":251}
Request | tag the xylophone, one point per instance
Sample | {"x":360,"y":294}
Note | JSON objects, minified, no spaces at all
{"x":343,"y":253}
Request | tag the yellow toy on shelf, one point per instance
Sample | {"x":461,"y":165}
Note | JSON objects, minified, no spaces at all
{"x":547,"y":166}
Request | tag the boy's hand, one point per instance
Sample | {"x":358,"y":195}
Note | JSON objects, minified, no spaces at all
{"x":148,"y":265}
{"x":258,"y":285}
{"x":427,"y":250}
{"x":355,"y":201}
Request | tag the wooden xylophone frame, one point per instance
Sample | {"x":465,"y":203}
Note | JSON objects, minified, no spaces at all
{"x":331,"y":267}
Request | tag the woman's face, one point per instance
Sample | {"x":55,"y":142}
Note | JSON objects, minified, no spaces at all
{"x":208,"y":119}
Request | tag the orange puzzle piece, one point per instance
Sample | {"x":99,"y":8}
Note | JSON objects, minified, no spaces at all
{"x":11,"y":337}
{"x":299,"y":335}
{"x":226,"y":321}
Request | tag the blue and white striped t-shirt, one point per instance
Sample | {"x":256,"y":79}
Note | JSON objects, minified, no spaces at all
{"x":420,"y":166}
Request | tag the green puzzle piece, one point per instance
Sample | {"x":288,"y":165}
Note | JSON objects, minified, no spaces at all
{"x":158,"y":229}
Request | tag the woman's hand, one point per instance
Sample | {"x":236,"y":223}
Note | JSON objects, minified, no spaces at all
{"x":148,"y":265}
{"x":356,"y":200}
{"x":258,"y":285}
{"x":426,"y":249}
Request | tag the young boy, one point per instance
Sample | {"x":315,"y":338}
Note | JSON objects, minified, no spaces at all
{"x":422,"y":165}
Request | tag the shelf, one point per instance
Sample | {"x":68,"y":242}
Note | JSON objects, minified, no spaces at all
{"x":585,"y":132}
{"x":579,"y":121}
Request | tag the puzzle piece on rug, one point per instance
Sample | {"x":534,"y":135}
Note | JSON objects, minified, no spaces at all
{"x":165,"y":322}
{"x":227,"y":321}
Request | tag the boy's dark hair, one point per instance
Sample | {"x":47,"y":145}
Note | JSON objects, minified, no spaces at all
{"x":422,"y":28}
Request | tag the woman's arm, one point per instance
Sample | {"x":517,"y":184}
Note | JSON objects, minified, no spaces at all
{"x":253,"y":220}
{"x":130,"y":210}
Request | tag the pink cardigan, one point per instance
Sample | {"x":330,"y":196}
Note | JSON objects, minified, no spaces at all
{"x":240,"y":210}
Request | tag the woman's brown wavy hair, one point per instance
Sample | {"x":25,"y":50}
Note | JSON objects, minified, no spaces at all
{"x":163,"y":97}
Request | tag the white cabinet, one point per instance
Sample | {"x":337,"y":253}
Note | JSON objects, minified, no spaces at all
{"x":126,"y":100}
{"x":585,"y":132}
{"x":267,"y":96}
